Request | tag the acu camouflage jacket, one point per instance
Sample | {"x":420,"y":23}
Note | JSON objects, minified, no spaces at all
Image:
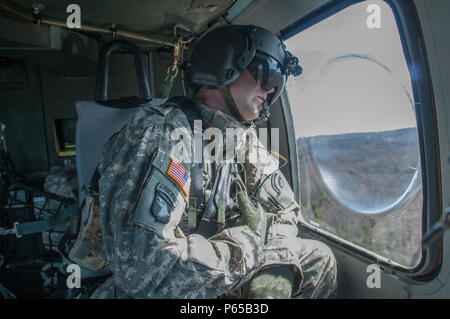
{"x":149,"y":243}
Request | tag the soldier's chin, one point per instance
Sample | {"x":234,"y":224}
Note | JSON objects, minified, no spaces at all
{"x":251,"y":112}
{"x":252,"y":117}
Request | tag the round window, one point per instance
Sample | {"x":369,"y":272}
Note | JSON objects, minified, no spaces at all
{"x":369,"y":162}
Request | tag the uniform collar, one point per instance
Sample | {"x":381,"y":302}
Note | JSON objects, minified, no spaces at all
{"x":218,"y":119}
{"x":261,"y":156}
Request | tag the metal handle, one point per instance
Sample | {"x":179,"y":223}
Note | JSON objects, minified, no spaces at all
{"x":436,"y":232}
{"x":103,"y":67}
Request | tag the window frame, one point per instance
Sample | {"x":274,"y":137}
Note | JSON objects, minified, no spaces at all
{"x":415,"y":55}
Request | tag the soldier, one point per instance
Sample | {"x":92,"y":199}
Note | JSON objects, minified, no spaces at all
{"x":174,"y":227}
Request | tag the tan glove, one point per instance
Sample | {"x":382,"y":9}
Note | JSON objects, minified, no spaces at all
{"x":270,"y":283}
{"x":253,"y":217}
{"x":274,"y":282}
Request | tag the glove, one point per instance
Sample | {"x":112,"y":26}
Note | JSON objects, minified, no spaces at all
{"x":270,"y":283}
{"x":274,"y":282}
{"x":253,"y":217}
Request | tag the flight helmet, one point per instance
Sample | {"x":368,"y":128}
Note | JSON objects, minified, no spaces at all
{"x":218,"y":58}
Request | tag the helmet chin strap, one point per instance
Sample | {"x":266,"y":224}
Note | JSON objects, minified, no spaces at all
{"x":228,"y":98}
{"x":264,"y":114}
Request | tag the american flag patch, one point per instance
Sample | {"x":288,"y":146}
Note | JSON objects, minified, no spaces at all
{"x":180,"y":175}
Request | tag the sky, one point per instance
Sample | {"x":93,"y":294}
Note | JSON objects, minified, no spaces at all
{"x":355,"y":79}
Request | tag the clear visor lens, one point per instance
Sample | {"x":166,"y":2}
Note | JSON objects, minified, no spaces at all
{"x":269,"y":75}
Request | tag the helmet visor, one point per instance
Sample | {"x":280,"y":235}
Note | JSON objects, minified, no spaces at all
{"x":269,"y":75}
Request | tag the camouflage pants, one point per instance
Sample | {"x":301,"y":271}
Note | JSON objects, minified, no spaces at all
{"x":317,"y":278}
{"x":319,"y":271}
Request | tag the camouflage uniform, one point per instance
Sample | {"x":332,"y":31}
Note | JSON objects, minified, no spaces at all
{"x":150,"y":258}
{"x":61,"y":181}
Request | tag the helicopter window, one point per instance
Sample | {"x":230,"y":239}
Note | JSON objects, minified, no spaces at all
{"x":356,"y":132}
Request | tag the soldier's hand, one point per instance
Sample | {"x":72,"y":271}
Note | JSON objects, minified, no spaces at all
{"x":252,"y":216}
{"x":271,"y":283}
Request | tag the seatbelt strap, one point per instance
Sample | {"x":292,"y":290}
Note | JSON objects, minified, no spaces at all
{"x":27,"y":228}
{"x":209,"y":219}
{"x":94,"y":180}
{"x":60,"y":218}
{"x":166,"y":86}
{"x":196,"y":195}
{"x":213,"y":218}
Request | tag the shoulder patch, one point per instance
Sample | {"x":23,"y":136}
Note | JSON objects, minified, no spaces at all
{"x":161,"y":209}
{"x":180,"y":175}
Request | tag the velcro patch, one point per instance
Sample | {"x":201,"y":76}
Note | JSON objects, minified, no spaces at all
{"x":180,"y":175}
